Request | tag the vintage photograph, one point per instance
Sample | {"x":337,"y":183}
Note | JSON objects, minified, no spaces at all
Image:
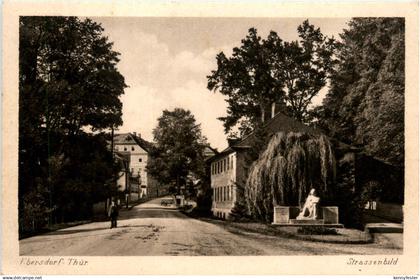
{"x":211,"y":136}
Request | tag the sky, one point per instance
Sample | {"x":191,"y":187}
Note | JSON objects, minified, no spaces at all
{"x":165,"y":62}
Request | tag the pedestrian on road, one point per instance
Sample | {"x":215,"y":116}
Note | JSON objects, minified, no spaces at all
{"x":113,"y":214}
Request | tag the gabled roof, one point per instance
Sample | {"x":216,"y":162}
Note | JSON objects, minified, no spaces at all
{"x":280,"y":122}
{"x":209,"y":151}
{"x":132,"y":139}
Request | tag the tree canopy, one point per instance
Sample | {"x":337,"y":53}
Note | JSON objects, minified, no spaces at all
{"x":179,"y":147}
{"x":263,"y":71}
{"x":365,"y":104}
{"x":68,"y":84}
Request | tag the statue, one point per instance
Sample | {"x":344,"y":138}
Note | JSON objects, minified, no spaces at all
{"x":309,"y":208}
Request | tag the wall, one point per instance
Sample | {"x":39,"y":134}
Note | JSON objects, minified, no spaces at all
{"x":223,"y":178}
{"x":390,"y":211}
{"x":136,"y":154}
{"x":122,"y":181}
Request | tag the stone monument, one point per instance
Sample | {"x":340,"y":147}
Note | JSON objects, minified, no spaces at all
{"x":309,"y":210}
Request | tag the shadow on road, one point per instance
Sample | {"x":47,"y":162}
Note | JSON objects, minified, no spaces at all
{"x":74,"y":231}
{"x":155,"y":212}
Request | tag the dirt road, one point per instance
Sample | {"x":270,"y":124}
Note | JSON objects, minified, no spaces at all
{"x":151,"y":229}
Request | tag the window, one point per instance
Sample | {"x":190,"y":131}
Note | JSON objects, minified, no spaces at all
{"x":223,"y":194}
{"x":125,"y":148}
{"x":231,"y":161}
{"x":140,"y":159}
{"x":228,"y":193}
{"x":231,"y":192}
{"x":228,"y":161}
{"x":132,"y":148}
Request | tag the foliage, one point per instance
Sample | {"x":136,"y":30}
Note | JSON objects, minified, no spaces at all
{"x":240,"y":211}
{"x":68,"y":83}
{"x":348,"y":197}
{"x":179,"y":149}
{"x":263,"y":71}
{"x":365,"y":104}
{"x":286,"y":170}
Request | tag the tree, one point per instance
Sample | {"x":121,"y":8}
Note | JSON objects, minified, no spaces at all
{"x":68,"y":75}
{"x":68,"y":82}
{"x":263,"y":71}
{"x":179,"y":149}
{"x":286,"y":170}
{"x":365,"y":104}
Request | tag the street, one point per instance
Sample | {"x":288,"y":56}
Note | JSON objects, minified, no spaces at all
{"x":154,"y":230}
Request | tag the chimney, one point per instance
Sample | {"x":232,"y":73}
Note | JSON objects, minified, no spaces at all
{"x":233,"y":141}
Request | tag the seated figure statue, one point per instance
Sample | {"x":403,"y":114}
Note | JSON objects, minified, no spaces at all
{"x":309,"y":208}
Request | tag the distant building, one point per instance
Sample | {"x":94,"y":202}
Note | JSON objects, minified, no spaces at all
{"x":132,"y":145}
{"x":209,"y":152}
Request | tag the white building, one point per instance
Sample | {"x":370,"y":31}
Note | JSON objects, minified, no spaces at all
{"x":138,"y":150}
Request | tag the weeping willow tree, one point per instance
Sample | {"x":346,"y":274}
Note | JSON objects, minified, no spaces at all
{"x":286,"y":170}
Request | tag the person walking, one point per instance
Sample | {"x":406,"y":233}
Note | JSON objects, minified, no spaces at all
{"x":113,"y":214}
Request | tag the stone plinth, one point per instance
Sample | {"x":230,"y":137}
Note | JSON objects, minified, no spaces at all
{"x":286,"y":216}
{"x":307,"y":222}
{"x":330,"y":214}
{"x":283,"y":214}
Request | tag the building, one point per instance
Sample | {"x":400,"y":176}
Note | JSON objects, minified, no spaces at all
{"x":123,"y":180}
{"x":138,"y":149}
{"x":209,"y":152}
{"x":229,"y":168}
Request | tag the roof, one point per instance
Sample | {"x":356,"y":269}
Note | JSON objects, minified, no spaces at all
{"x":210,"y":152}
{"x":132,"y":139}
{"x":280,"y":122}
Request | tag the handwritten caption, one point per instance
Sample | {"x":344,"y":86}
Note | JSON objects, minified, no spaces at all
{"x":53,"y":261}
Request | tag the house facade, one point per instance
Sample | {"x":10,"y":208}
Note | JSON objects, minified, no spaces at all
{"x":225,"y":172}
{"x":137,"y":149}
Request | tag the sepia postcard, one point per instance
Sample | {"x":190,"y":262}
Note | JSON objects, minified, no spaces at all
{"x":210,"y":138}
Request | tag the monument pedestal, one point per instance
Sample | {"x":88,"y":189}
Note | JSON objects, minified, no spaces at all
{"x":307,"y":222}
{"x":286,"y":216}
